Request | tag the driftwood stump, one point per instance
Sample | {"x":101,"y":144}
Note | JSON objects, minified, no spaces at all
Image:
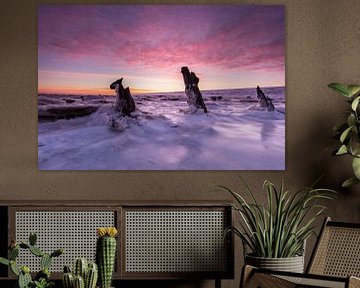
{"x":264,"y":101}
{"x":124,"y":102}
{"x":193,"y":94}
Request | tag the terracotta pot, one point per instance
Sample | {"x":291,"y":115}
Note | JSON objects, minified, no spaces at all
{"x":291,"y":264}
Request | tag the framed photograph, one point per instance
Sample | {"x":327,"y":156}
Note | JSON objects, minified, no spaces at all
{"x":161,"y":87}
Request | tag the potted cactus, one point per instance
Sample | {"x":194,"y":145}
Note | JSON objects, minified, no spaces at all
{"x":85,"y":275}
{"x":42,"y":278}
{"x":106,"y":254}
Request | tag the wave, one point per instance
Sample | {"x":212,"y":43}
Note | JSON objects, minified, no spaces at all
{"x":163,"y":133}
{"x":220,"y":101}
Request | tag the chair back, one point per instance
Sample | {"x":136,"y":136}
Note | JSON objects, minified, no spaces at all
{"x":337,"y":251}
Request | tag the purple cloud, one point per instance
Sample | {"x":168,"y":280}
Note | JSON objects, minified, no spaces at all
{"x":162,"y":38}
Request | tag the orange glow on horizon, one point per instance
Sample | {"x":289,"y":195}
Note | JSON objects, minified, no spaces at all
{"x":91,"y":91}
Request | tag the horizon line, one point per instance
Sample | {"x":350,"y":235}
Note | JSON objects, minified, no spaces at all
{"x":150,"y":91}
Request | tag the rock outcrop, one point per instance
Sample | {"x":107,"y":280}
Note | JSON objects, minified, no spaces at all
{"x":193,"y":94}
{"x":65,"y":112}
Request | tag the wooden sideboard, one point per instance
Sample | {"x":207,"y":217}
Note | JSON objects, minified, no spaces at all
{"x":157,"y":240}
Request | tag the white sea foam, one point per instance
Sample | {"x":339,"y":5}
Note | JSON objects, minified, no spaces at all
{"x":235,"y":135}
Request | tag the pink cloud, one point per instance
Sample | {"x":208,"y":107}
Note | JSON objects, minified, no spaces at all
{"x":234,"y":38}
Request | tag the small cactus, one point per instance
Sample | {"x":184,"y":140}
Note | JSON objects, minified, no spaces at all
{"x":89,"y":272}
{"x":24,"y":278}
{"x":67,"y":269}
{"x":36,"y":251}
{"x":25,"y":269}
{"x":32,"y":238}
{"x":57,"y":252}
{"x":79,"y":282}
{"x":91,"y":276}
{"x":45,"y":261}
{"x":106,"y":254}
{"x":80,"y":268}
{"x":13,"y":253}
{"x":14,"y":268}
{"x":68,"y":280}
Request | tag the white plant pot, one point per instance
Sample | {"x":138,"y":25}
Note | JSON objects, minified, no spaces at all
{"x":291,"y":264}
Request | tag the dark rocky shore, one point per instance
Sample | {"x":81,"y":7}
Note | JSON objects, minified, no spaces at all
{"x":55,"y":107}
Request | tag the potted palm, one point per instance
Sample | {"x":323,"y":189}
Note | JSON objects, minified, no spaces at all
{"x":348,"y":133}
{"x":275,"y":234}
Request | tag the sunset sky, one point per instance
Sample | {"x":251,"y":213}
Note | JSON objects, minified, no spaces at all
{"x":82,"y":49}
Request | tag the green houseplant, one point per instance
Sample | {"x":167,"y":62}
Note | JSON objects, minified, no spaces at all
{"x":348,"y":132}
{"x":279,"y":229}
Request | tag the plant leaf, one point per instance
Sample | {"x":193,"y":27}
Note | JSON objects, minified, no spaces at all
{"x":354,"y":145}
{"x":4,"y":261}
{"x":345,"y":134}
{"x":279,"y":228}
{"x":355,"y":103}
{"x":351,"y":119}
{"x":349,"y":182}
{"x":342,"y":150}
{"x":356,"y":167}
{"x":340,"y":88}
{"x":353,"y":90}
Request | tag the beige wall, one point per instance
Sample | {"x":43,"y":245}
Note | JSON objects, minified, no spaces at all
{"x":323,"y":46}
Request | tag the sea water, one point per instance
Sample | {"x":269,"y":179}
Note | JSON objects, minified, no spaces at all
{"x":236,"y":134}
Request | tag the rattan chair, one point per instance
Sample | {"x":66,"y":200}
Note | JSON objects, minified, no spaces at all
{"x":334,"y":263}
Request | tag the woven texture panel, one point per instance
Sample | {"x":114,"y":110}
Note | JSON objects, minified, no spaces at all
{"x":175,"y":241}
{"x":338,"y":253}
{"x":309,"y":282}
{"x":75,"y":231}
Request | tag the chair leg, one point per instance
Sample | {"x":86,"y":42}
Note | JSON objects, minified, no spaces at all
{"x":246,"y":273}
{"x":217,"y":283}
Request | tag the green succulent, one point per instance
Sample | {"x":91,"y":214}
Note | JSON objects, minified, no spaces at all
{"x":348,"y":133}
{"x":43,"y":283}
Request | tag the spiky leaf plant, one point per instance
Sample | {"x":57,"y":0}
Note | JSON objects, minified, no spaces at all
{"x":348,"y":132}
{"x":279,"y":229}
